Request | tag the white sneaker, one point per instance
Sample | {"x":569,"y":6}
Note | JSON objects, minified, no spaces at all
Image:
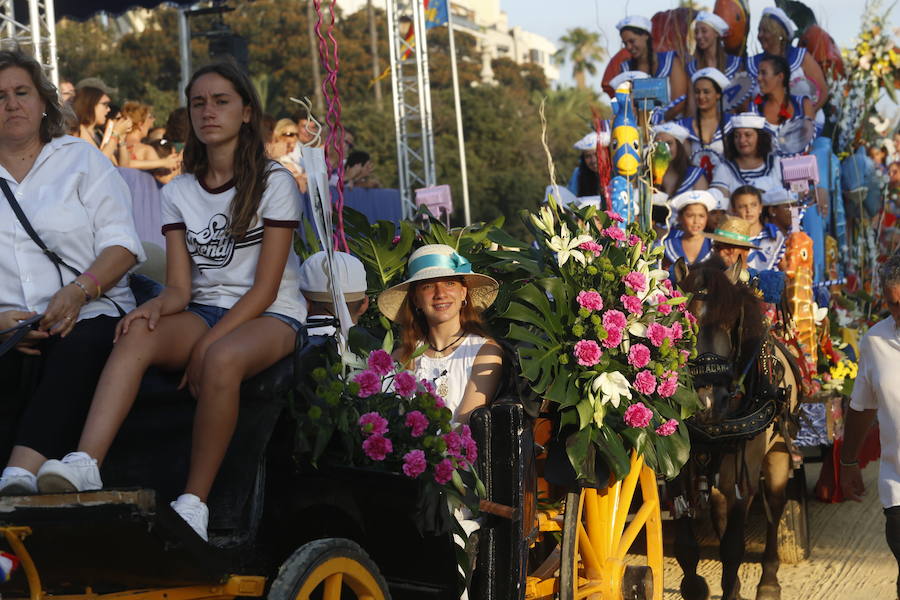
{"x":76,"y":472}
{"x":17,"y":482}
{"x":191,"y":509}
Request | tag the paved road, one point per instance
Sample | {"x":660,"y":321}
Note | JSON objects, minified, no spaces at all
{"x":850,"y":559}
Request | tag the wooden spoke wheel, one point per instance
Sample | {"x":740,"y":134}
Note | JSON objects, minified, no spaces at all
{"x":329,"y":569}
{"x":597,"y":536}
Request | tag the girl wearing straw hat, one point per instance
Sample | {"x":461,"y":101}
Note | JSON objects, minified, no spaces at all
{"x":440,"y":304}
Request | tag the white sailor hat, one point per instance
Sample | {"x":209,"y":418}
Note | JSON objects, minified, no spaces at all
{"x":722,"y":202}
{"x":781,"y":16}
{"x":694,"y":197}
{"x":621,"y":78}
{"x":713,"y":20}
{"x":713,"y":74}
{"x":776,"y":197}
{"x":589,"y":142}
{"x":349,"y":271}
{"x":636,"y":22}
{"x":679,"y":132}
{"x":748,"y":120}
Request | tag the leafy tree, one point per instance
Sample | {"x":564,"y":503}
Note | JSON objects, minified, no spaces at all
{"x":582,"y":48}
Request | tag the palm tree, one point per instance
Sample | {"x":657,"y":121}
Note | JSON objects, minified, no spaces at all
{"x":582,"y":48}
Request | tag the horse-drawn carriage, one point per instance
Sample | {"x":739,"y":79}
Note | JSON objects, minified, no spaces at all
{"x":284,"y":530}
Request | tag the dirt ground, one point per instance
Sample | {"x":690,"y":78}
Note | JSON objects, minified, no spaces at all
{"x":849,"y":560}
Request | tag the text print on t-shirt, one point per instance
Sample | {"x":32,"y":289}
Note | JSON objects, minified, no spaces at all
{"x":213,"y":247}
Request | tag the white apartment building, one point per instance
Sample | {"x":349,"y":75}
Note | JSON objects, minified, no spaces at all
{"x":484,"y":20}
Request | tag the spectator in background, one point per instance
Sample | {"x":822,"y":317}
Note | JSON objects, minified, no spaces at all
{"x":177,"y":128}
{"x":92,"y":109}
{"x":879,"y":156}
{"x":155,"y":133}
{"x":286,"y":131}
{"x":894,"y":175}
{"x":143,"y":156}
{"x":66,"y":91}
{"x":360,"y":158}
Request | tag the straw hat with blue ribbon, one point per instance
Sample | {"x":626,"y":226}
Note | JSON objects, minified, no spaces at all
{"x":436,"y":261}
{"x":733,"y":231}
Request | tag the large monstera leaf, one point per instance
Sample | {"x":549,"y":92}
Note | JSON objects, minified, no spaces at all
{"x":374,"y":245}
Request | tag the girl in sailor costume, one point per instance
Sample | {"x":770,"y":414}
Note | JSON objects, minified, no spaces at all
{"x":709,"y":32}
{"x":680,"y":176}
{"x":776,"y":30}
{"x":749,"y":159}
{"x":774,"y":101}
{"x":637,"y":37}
{"x":710,"y":123}
{"x":687,"y":240}
{"x":748,"y":203}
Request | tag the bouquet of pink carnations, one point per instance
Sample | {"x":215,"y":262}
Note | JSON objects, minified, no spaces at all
{"x":605,"y":335}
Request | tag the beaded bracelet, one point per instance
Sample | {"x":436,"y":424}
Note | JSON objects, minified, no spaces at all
{"x":87,"y":294}
{"x":96,"y":281}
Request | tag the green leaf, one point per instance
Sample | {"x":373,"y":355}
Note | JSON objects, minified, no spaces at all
{"x":582,"y":456}
{"x":504,"y":239}
{"x":563,"y":389}
{"x":585,"y":413}
{"x":517,"y":311}
{"x":610,"y":445}
{"x":388,"y":344}
{"x":521,"y":334}
{"x":537,"y":298}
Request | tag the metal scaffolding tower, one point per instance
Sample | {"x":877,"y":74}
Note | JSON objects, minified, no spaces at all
{"x":38,"y":35}
{"x":412,"y":98}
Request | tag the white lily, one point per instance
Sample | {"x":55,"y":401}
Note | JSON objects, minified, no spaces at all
{"x":612,"y":387}
{"x":565,"y":246}
{"x":545,"y":221}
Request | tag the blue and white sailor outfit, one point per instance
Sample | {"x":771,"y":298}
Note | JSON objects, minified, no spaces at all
{"x":674,"y":250}
{"x":730,"y":176}
{"x":794,"y":58}
{"x":712,"y":153}
{"x":664,"y":62}
{"x":796,"y":106}
{"x":733,"y":64}
{"x":771,"y":242}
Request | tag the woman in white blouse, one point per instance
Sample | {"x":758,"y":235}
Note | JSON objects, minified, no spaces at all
{"x":80,"y":207}
{"x":440,"y":304}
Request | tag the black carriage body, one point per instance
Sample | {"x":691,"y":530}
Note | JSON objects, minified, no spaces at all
{"x":263,"y":506}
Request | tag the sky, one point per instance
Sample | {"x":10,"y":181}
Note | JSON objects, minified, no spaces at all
{"x":840,"y":18}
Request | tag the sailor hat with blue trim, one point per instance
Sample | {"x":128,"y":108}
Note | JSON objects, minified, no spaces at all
{"x":781,"y":16}
{"x":621,"y":78}
{"x":436,"y":261}
{"x":589,"y":142}
{"x":694,"y":197}
{"x":712,"y":74}
{"x":679,"y":132}
{"x":636,"y":22}
{"x":748,"y":120}
{"x":713,"y":20}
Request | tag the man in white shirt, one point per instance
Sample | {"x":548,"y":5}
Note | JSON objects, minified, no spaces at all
{"x":877,"y":392}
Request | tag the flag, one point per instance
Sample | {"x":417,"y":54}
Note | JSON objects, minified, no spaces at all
{"x":436,"y":13}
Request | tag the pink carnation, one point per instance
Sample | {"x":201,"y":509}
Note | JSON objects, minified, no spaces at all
{"x":591,"y":246}
{"x":668,"y":385}
{"x":614,"y":233}
{"x":587,"y":352}
{"x":614,"y":216}
{"x":667,"y":428}
{"x":636,"y":281}
{"x":380,"y":362}
{"x":454,"y":444}
{"x":405,"y":384}
{"x":590,"y":300}
{"x":373,"y":423}
{"x":657,"y":334}
{"x":638,"y":356}
{"x":633,"y":240}
{"x":645,"y":382}
{"x":676,"y":330}
{"x":613,"y":337}
{"x":377,"y":447}
{"x":638,"y":415}
{"x":691,"y":318}
{"x":396,"y":239}
{"x":417,"y":422}
{"x":632,"y":304}
{"x":369,"y":383}
{"x":428,"y":386}
{"x":667,"y":283}
{"x":443,"y":471}
{"x":414,"y":463}
{"x":471,"y":449}
{"x":685,"y":354}
{"x":665,"y":309}
{"x":614,"y":319}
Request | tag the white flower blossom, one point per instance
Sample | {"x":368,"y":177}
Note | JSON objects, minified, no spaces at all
{"x":567,"y":247}
{"x":613,"y":387}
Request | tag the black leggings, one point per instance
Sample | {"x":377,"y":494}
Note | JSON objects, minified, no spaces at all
{"x":44,"y":400}
{"x":892,"y":533}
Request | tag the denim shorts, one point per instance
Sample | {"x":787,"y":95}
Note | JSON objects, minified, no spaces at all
{"x":213,"y":314}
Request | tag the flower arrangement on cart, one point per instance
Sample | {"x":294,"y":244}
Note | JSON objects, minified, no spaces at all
{"x":605,"y":336}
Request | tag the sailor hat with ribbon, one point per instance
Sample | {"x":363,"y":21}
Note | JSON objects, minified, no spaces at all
{"x":589,"y":141}
{"x":637,"y":22}
{"x":714,"y":21}
{"x":436,"y":261}
{"x":695,"y":197}
{"x":782,"y":18}
{"x":748,"y":120}
{"x":679,"y":132}
{"x":621,"y":78}
{"x":713,"y":74}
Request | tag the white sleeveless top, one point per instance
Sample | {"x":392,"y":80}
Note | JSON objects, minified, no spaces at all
{"x":451,"y":373}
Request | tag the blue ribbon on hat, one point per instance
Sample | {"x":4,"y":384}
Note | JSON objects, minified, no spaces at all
{"x":454,"y":262}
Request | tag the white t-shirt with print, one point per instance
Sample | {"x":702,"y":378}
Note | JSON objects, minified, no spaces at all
{"x":877,"y":386}
{"x":223,"y":269}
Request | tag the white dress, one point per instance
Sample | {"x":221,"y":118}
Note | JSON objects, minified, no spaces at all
{"x":451,"y":373}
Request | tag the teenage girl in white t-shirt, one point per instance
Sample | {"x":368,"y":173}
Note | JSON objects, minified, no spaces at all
{"x":231,"y":305}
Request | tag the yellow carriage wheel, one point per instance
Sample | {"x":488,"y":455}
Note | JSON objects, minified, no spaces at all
{"x":598,"y":534}
{"x":329,"y":569}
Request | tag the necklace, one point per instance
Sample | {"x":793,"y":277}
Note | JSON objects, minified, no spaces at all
{"x":439,"y":352}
